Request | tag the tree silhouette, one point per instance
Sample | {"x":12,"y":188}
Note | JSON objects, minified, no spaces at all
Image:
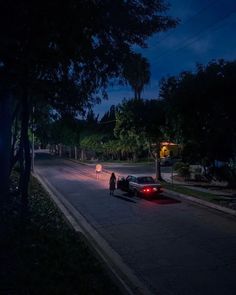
{"x":63,"y":54}
{"x":137,"y":73}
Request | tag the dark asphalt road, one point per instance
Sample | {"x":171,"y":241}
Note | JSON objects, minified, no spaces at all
{"x":175,"y":248}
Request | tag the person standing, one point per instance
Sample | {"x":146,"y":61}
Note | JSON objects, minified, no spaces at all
{"x":112,"y":184}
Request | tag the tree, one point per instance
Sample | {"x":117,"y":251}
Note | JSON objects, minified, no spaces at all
{"x":137,"y":73}
{"x":64,"y":54}
{"x":200,"y":110}
{"x":142,"y":123}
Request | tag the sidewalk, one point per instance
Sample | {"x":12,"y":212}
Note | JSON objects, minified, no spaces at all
{"x":222,"y":199}
{"x":222,"y":191}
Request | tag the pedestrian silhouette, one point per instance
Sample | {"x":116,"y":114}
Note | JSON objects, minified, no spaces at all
{"x":112,"y":184}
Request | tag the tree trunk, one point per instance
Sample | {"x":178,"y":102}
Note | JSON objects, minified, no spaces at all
{"x":60,"y":149}
{"x":156,"y":155}
{"x":158,"y":169}
{"x":15,"y":133}
{"x":25,"y":159}
{"x":76,"y":153}
{"x":5,"y":141}
{"x":157,"y":162}
{"x":82,"y":155}
{"x":139,"y":95}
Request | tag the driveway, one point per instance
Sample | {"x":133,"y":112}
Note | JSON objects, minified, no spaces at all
{"x":173,"y":247}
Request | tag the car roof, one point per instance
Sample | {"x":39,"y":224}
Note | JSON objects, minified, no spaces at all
{"x":140,"y":175}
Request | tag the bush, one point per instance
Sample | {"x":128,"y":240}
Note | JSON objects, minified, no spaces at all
{"x":178,"y":165}
{"x":42,"y":254}
{"x":224,"y":173}
{"x":182,"y":169}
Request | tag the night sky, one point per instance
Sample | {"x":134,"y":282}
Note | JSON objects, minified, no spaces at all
{"x":207,"y":31}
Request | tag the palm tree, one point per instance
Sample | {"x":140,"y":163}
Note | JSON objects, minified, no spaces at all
{"x":137,"y":73}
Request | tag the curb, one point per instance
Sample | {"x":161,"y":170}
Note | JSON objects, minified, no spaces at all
{"x":124,"y":277}
{"x":202,"y":202}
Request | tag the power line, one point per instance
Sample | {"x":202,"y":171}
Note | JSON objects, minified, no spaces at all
{"x":187,"y":21}
{"x":195,"y":38}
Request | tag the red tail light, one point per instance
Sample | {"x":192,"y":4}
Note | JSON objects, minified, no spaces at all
{"x":147,"y":190}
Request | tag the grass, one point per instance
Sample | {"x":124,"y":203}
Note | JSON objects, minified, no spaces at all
{"x":190,"y":192}
{"x":44,"y":255}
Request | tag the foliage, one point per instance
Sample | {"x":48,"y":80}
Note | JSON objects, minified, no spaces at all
{"x":129,"y":125}
{"x":199,"y":106}
{"x":178,"y":165}
{"x":63,"y":54}
{"x":92,"y":142}
{"x":224,"y":173}
{"x":137,"y":73}
{"x":184,"y":171}
{"x":107,"y":122}
{"x":43,"y":255}
{"x":65,"y":130}
{"x":141,"y":122}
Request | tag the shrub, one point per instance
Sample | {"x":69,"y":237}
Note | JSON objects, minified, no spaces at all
{"x":224,"y":173}
{"x":182,"y":169}
{"x":178,"y":165}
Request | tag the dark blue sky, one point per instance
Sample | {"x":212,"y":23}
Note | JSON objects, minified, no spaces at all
{"x":207,"y":31}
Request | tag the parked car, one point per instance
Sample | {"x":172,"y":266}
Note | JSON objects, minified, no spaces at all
{"x":139,"y":185}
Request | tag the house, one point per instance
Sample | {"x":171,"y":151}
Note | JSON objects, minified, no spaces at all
{"x":170,"y":150}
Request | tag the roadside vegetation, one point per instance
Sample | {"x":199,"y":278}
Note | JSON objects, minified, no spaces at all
{"x":227,"y":201}
{"x":42,"y":254}
{"x":64,"y":72}
{"x":197,"y":116}
{"x":51,"y":77}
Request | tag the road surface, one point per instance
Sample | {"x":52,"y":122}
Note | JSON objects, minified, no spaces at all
{"x":175,"y":248}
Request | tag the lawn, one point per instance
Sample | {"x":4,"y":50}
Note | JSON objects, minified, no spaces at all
{"x":190,"y":192}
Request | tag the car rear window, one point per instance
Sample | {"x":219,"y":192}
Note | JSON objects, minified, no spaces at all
{"x":146,"y":179}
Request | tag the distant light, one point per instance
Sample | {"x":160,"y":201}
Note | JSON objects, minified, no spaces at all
{"x":98,"y":168}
